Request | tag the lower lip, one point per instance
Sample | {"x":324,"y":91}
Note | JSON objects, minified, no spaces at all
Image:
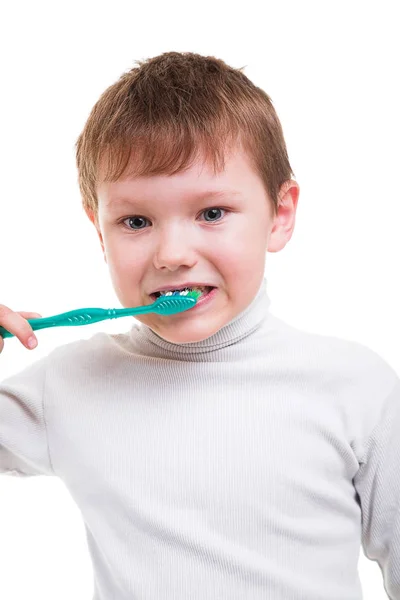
{"x":204,"y":299}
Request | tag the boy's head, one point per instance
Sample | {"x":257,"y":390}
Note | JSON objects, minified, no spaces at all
{"x":183,"y":170}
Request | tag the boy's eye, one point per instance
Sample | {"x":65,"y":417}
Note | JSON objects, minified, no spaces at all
{"x":138,"y":220}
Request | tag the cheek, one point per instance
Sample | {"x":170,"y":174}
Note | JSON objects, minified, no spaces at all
{"x":233,"y":261}
{"x":242,"y":245}
{"x":119,"y":262}
{"x":242,"y":257}
{"x":123,"y":257}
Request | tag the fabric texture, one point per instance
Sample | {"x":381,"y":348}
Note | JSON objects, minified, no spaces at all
{"x":251,"y":465}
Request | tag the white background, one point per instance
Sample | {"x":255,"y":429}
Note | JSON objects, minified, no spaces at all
{"x":331,"y":69}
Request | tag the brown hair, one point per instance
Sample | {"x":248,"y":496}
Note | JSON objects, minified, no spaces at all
{"x":159,"y":115}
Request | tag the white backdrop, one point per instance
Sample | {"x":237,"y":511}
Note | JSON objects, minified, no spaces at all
{"x":331,"y":69}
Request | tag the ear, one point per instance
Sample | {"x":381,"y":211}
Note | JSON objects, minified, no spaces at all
{"x":93,"y":217}
{"x":284,"y":220}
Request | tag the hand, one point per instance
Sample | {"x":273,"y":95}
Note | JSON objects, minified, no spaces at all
{"x":16,"y":323}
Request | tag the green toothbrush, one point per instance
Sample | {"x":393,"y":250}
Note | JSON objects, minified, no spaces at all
{"x":164,"y":305}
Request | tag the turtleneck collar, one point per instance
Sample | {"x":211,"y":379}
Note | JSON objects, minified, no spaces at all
{"x":146,"y":342}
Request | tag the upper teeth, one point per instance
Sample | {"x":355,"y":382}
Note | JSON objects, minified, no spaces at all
{"x":183,"y":291}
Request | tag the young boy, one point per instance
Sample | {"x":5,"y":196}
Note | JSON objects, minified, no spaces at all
{"x":218,"y":453}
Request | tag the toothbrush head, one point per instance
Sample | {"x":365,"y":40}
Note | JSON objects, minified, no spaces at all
{"x":170,"y":305}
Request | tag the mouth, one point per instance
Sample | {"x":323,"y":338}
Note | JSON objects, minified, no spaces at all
{"x":168,"y":291}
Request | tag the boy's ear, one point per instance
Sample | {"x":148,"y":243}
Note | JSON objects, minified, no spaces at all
{"x":284,"y":220}
{"x":93,"y":218}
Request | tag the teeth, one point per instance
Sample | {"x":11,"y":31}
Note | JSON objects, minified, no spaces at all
{"x":183,"y":292}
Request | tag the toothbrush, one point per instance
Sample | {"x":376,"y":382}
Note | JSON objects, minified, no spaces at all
{"x":164,"y":305}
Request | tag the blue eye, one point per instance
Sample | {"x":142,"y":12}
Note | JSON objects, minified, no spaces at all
{"x":138,"y":218}
{"x":212,"y":210}
{"x":131,"y":219}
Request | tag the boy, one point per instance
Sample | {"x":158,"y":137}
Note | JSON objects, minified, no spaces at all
{"x":218,"y":453}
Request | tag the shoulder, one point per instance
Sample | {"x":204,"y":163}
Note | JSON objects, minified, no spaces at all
{"x":334,"y":356}
{"x":94,"y":354}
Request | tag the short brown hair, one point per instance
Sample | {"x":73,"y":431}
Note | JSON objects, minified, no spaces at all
{"x":158,"y":116}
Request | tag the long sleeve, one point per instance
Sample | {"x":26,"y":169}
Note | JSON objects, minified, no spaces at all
{"x":251,"y":464}
{"x":23,"y":436}
{"x":378,"y":485}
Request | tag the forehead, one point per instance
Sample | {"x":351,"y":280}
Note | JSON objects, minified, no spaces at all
{"x":119,"y":200}
{"x":196,"y":182}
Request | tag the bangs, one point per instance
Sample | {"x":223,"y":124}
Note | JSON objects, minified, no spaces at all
{"x":164,"y":151}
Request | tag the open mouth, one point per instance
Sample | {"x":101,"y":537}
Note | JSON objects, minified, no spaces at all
{"x":184,"y":291}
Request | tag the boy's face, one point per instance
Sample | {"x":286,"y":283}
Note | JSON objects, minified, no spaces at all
{"x":157,"y":231}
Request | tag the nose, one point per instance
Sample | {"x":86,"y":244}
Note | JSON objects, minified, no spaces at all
{"x":174,"y":248}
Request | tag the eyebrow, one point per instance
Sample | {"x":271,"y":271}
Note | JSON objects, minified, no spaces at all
{"x":217,"y":194}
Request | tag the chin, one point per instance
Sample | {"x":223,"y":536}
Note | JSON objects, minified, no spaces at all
{"x":174,"y":336}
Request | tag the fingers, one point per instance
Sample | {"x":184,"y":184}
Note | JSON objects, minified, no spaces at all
{"x":30,"y":315}
{"x":17,"y":324}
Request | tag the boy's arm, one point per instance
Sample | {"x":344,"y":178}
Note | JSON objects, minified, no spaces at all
{"x":23,"y":434}
{"x":378,"y":485}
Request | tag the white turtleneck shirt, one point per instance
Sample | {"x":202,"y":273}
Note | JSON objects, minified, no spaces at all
{"x":251,"y":465}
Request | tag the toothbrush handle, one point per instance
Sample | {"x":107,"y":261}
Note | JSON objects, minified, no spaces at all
{"x":82,"y":316}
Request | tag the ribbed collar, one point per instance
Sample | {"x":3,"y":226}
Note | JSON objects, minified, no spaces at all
{"x":146,"y":342}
